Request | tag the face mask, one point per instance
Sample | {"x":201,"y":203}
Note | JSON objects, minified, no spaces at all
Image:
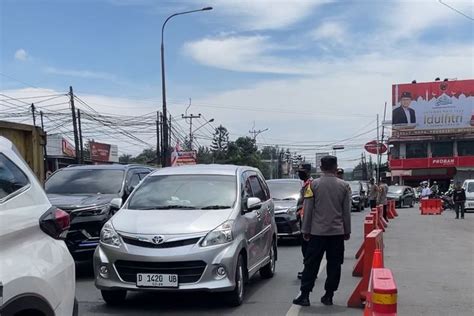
{"x":302,"y":175}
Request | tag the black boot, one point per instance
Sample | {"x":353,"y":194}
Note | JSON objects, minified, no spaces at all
{"x":327,"y":298}
{"x":302,"y":299}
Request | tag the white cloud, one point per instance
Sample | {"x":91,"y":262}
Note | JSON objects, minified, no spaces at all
{"x":79,"y":73}
{"x":266,"y":14}
{"x":331,"y":31}
{"x":21,"y":55}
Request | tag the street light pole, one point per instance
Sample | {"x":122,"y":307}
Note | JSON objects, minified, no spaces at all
{"x":165,"y":159}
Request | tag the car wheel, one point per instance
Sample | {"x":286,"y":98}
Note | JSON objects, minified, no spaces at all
{"x":362,"y":206}
{"x":268,"y":270}
{"x":114,"y":297}
{"x":236,"y":297}
{"x":359,"y":208}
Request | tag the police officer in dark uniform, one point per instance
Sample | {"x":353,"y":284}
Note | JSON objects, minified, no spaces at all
{"x":304,"y":173}
{"x":326,"y":225}
{"x":459,"y":198}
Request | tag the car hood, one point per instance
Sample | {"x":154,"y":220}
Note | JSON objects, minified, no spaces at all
{"x":280,"y":205}
{"x":394,"y":195}
{"x":168,"y":222}
{"x":74,"y":201}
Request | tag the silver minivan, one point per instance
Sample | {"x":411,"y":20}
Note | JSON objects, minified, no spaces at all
{"x":203,"y":227}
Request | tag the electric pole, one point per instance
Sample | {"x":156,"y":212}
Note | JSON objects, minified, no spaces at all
{"x":158,"y":150}
{"x":191,"y":117}
{"x":255,"y":133}
{"x":80,"y":135}
{"x":74,"y":124}
{"x":42,"y":123}
{"x":34,"y":114}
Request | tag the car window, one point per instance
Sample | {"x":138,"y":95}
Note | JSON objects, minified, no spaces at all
{"x":470,"y":187}
{"x":256,"y":187}
{"x":85,"y":181}
{"x":264,"y":186}
{"x":143,"y":175}
{"x":134,"y":180}
{"x":12,"y":179}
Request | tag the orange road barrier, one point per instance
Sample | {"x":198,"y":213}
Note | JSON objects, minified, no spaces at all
{"x":383,"y":297}
{"x":373,"y":241}
{"x":377,"y":262}
{"x":368,"y":227}
{"x":390,"y":209}
{"x":359,"y":266}
{"x":431,"y":207}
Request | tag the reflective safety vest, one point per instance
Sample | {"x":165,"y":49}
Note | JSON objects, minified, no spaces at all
{"x":307,"y":193}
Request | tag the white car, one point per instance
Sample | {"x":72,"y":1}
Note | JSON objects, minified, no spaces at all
{"x":469,"y":188}
{"x":37,"y":272}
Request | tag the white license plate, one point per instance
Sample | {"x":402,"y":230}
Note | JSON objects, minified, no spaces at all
{"x":157,"y":280}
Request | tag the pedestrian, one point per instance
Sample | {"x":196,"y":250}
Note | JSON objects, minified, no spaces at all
{"x":373,"y":193}
{"x":382,"y":197}
{"x":435,"y":189}
{"x":326,"y":224}
{"x":459,"y":198}
{"x":304,"y":173}
{"x":426,"y":191}
{"x":340,"y":173}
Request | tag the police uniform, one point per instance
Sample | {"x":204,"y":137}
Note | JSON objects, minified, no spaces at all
{"x":299,"y":206}
{"x":327,"y":220}
{"x":459,"y":198}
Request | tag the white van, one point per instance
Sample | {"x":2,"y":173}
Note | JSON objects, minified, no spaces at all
{"x":469,"y":187}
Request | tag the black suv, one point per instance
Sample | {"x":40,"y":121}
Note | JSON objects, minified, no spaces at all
{"x":359,"y":196}
{"x":91,"y":194}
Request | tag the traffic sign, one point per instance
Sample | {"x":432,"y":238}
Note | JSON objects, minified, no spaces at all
{"x":371,"y":147}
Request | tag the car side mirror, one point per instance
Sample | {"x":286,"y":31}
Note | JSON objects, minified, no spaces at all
{"x":253,"y":203}
{"x":116,"y":203}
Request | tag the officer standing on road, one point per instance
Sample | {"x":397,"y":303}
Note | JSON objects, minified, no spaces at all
{"x":382,"y":197}
{"x":326,"y":224}
{"x":373,"y":194}
{"x":304,"y":173}
{"x":459,"y":198}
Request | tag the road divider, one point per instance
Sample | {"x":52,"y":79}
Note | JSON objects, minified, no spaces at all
{"x":431,"y":207}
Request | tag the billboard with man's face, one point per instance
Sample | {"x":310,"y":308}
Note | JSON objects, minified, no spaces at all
{"x":439,"y":107}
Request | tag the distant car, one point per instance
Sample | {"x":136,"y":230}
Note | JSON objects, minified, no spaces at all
{"x":403,"y":195}
{"x":285,"y":194}
{"x":37,"y":272}
{"x":358,"y":195}
{"x":189,"y":228}
{"x":91,"y":194}
{"x":468,"y":186}
{"x":366,"y":188}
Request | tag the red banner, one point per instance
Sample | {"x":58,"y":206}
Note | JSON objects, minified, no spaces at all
{"x":439,"y":162}
{"x":100,"y":152}
{"x":67,"y":148}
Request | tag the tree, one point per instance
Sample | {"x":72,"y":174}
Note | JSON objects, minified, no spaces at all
{"x":244,"y":151}
{"x":146,"y":156}
{"x":125,"y":159}
{"x":220,"y":143}
{"x":204,"y":155}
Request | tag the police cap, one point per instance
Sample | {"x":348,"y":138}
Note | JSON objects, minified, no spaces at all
{"x":305,"y":167}
{"x":329,"y":162}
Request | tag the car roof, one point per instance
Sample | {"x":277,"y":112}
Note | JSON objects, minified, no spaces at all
{"x":106,"y":167}
{"x":203,"y":169}
{"x":284,"y":180}
{"x":5,"y":143}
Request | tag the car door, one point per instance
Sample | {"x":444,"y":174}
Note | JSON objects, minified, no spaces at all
{"x":410,"y":196}
{"x":266,"y":217}
{"x":132,"y":180}
{"x":251,"y":222}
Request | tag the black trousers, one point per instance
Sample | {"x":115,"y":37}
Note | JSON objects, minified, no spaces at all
{"x":333,"y":246}
{"x":457,"y":206}
{"x":373,"y":204}
{"x":385,"y":210}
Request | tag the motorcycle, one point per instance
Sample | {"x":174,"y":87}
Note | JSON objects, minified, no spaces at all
{"x":447,"y":201}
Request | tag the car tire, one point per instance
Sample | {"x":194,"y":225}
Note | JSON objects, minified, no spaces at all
{"x":114,"y":297}
{"x":359,"y":208}
{"x":268,"y":271}
{"x":236,"y":296}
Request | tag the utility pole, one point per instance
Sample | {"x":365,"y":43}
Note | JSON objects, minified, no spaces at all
{"x":34,"y":114}
{"x":80,"y":135}
{"x":378,"y":152}
{"x":191,"y":117}
{"x":74,"y":124}
{"x":42,"y":123}
{"x":169,"y":140}
{"x":255,"y":133}
{"x":162,"y":141}
{"x":158,"y":150}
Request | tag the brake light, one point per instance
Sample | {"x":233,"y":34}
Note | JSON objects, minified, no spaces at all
{"x":55,"y":222}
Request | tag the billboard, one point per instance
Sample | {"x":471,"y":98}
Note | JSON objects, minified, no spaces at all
{"x":103,"y":152}
{"x":440,"y":107}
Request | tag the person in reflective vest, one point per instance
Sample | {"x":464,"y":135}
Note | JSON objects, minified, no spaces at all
{"x":304,"y":173}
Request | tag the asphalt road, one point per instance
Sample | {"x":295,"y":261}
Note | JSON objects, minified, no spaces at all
{"x":432,"y":258}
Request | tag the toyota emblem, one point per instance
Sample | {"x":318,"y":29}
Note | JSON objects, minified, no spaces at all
{"x":157,"y":240}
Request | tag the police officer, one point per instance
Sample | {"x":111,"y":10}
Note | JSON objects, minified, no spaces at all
{"x":459,"y":198}
{"x":304,"y":173}
{"x":326,"y":224}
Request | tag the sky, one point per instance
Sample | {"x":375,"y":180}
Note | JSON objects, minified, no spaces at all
{"x":313,"y":72}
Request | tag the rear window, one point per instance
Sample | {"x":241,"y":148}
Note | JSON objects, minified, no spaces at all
{"x":85,"y":181}
{"x":470,"y":187}
{"x":12,"y":179}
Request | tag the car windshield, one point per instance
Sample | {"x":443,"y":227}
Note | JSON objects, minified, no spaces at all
{"x":355,"y":187}
{"x":470,"y":187}
{"x":284,"y":190}
{"x":185,"y":192}
{"x":85,"y":181}
{"x":395,"y":189}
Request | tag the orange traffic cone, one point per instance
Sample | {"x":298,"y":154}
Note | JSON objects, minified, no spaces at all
{"x":377,"y":261}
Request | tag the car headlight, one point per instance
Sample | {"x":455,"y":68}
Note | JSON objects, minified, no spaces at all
{"x":291,"y":210}
{"x":220,"y":235}
{"x":109,"y":236}
{"x":356,"y":198}
{"x":92,"y":211}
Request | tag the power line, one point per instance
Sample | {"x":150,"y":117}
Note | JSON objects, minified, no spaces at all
{"x":456,"y":10}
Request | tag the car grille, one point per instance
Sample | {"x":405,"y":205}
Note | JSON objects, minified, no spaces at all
{"x":280,"y":219}
{"x":171,"y":244}
{"x":187,"y":271}
{"x":284,"y":228}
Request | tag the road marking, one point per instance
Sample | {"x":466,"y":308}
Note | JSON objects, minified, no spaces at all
{"x":295,"y":309}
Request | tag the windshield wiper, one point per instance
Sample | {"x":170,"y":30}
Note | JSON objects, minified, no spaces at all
{"x":168,"y":207}
{"x":285,"y":199}
{"x":215,"y":207}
